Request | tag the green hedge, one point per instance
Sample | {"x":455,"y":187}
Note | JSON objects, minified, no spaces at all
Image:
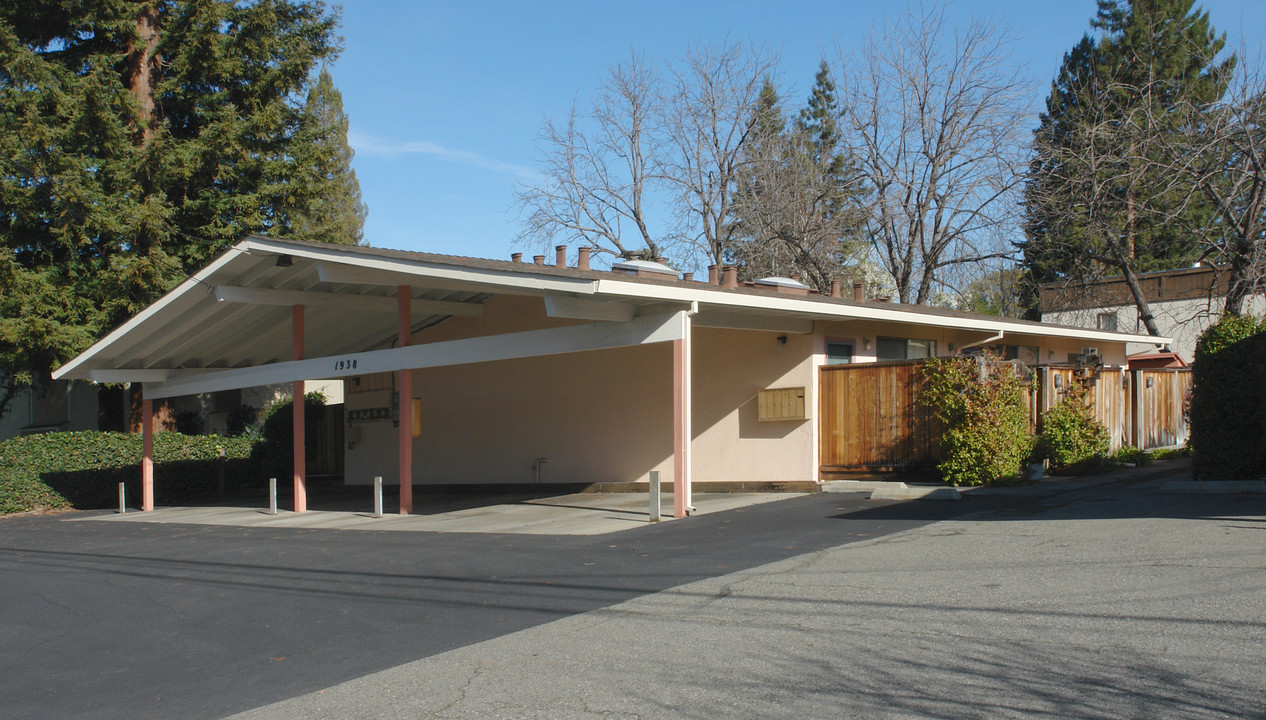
{"x":1228,"y":420}
{"x":83,"y":469}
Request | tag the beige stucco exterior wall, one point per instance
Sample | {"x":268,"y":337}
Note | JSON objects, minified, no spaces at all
{"x":1183,"y":320}
{"x":598,"y":416}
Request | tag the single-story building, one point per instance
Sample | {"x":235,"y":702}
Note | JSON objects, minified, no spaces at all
{"x":460,"y":370}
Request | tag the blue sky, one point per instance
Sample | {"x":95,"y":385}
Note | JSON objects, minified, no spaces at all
{"x":445,"y":98}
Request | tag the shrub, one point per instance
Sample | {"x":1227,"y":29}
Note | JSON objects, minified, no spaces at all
{"x":981,"y":404}
{"x":1131,"y":454}
{"x":1227,"y":417}
{"x":83,"y":469}
{"x":1071,"y":435}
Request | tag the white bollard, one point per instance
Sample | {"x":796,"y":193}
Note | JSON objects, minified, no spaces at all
{"x":377,"y":496}
{"x":272,"y":496}
{"x":122,"y":498}
{"x":654,"y":490}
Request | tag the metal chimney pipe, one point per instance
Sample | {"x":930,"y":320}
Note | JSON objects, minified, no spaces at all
{"x":516,"y":257}
{"x":859,"y":291}
{"x":538,"y":259}
{"x":729,"y":277}
{"x":560,"y":256}
{"x":835,"y":288}
{"x":582,"y":258}
{"x":712,"y":275}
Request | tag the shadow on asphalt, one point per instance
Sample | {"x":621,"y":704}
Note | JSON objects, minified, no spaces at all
{"x":211,"y":620}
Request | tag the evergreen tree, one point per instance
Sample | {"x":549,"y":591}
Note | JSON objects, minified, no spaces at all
{"x":330,"y":209}
{"x":1110,"y":98}
{"x":797,"y":202}
{"x":137,"y":141}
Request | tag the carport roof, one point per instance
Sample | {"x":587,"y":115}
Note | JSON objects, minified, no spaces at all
{"x":236,"y":313}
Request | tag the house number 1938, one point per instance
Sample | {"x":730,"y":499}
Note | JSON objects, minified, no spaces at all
{"x":346,"y":364}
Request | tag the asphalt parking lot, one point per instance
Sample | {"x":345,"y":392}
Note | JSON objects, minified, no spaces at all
{"x":155,"y":620}
{"x":1102,"y":601}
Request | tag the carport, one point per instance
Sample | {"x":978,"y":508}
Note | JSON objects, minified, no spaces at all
{"x":270,"y":311}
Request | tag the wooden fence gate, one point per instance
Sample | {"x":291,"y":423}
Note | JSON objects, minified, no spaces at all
{"x":870,"y":419}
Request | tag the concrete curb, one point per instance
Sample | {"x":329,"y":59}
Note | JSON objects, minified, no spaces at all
{"x":901,"y":491}
{"x":1213,"y":487}
{"x":1052,"y":485}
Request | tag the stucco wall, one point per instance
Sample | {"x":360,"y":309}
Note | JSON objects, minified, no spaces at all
{"x":599,"y":416}
{"x":1183,"y":320}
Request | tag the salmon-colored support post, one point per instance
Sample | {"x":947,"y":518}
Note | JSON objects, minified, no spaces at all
{"x":404,"y":412}
{"x":147,"y":453}
{"x":299,"y":443}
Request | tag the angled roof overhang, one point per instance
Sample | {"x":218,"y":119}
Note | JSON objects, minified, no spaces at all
{"x":236,"y":312}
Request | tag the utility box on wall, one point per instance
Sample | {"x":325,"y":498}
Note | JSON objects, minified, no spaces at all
{"x":781,"y":404}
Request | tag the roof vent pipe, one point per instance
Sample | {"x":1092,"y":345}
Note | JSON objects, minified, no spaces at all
{"x":582,"y":258}
{"x":712,"y":275}
{"x":835,"y":288}
{"x":560,"y":256}
{"x":859,"y":291}
{"x":538,"y":259}
{"x":729,"y":277}
{"x":687,"y":277}
{"x":516,"y":257}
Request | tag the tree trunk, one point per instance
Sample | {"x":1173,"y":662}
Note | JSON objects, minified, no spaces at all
{"x":142,"y":61}
{"x":1140,"y":300}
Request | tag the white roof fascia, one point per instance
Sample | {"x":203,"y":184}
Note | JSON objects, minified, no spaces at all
{"x":802,"y":307}
{"x":72,"y":369}
{"x":425,"y":269}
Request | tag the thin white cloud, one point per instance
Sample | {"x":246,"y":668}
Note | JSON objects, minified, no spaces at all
{"x":373,"y":146}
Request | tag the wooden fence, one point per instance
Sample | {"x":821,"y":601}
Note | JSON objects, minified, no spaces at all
{"x":870,"y":418}
{"x":1143,"y":408}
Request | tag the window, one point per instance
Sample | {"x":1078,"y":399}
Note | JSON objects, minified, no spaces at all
{"x":1108,"y":321}
{"x":904,"y":349}
{"x":839,"y":352}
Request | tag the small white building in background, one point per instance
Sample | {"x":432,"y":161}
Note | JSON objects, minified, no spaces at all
{"x":1184,"y":304}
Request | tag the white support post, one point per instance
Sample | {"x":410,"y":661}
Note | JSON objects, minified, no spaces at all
{"x":654,"y":493}
{"x":377,"y":496}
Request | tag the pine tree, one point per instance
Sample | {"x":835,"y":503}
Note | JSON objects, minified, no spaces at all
{"x":1110,"y":94}
{"x":330,"y":209}
{"x":137,"y":141}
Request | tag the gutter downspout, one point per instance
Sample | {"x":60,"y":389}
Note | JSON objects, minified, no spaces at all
{"x":992,"y":338}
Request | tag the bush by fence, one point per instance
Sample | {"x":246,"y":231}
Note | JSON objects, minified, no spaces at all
{"x":987,"y":437}
{"x":1072,"y":436}
{"x":1228,"y":420}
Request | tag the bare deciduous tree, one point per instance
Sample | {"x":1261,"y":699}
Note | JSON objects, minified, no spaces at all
{"x":709,"y":119}
{"x":936,"y":119}
{"x":598,"y":183}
